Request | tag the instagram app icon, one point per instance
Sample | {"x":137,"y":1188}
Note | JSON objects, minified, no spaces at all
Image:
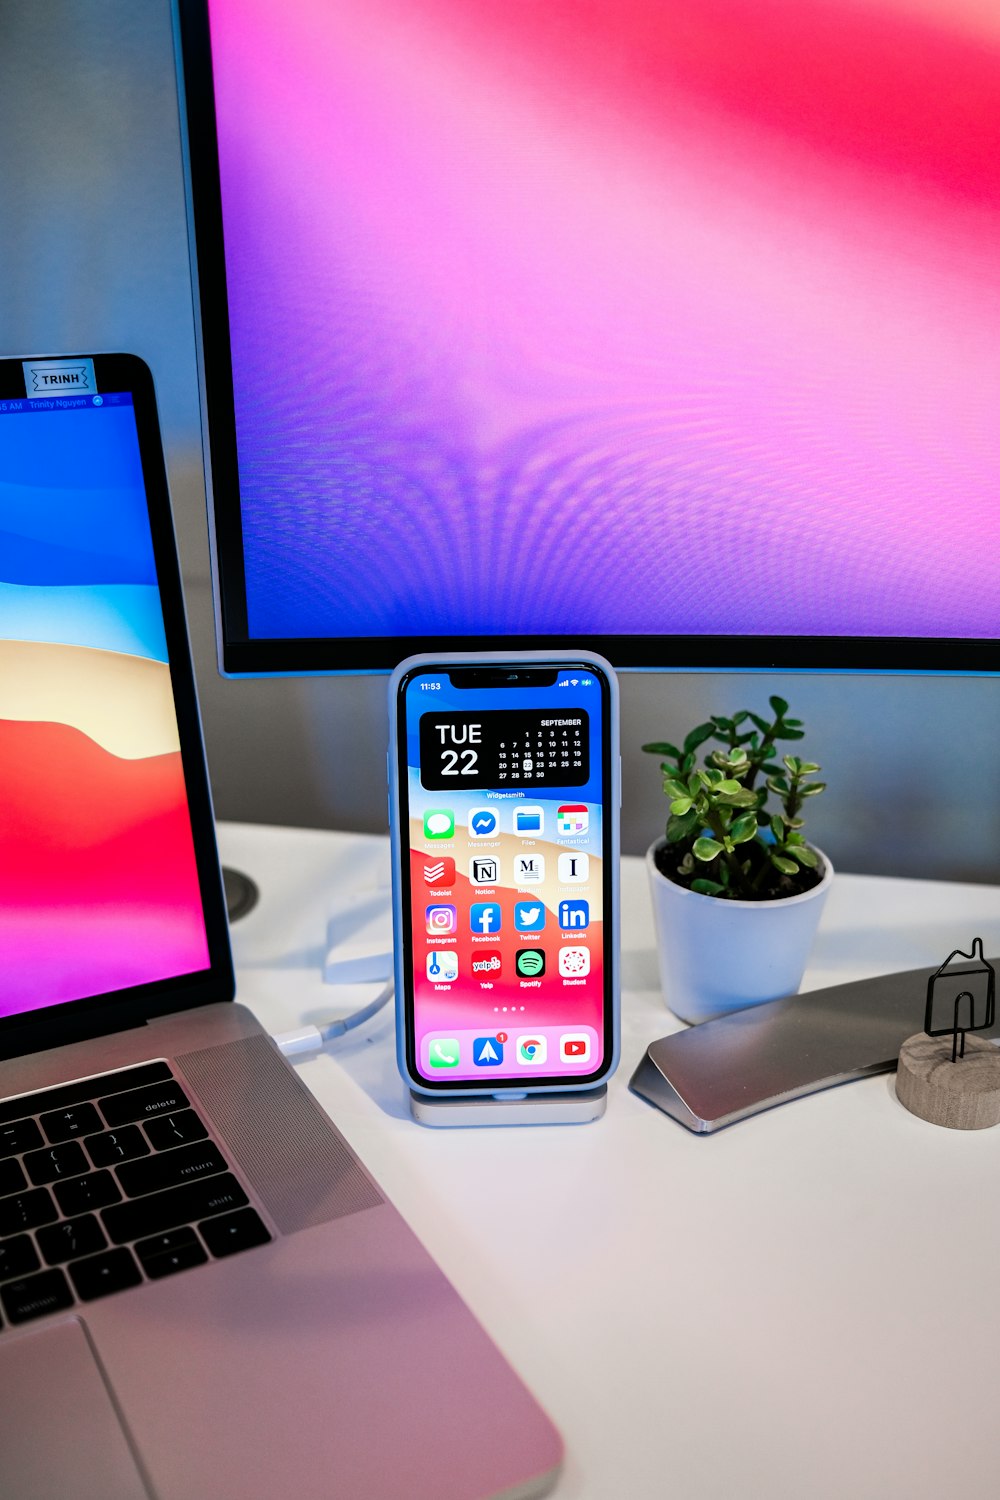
{"x":440,"y":918}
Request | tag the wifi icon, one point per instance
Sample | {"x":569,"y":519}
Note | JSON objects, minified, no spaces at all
{"x":574,"y":682}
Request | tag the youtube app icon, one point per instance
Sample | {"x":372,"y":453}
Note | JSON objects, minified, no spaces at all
{"x":574,"y":1047}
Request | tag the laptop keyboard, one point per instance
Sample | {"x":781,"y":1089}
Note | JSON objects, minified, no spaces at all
{"x":106,"y":1183}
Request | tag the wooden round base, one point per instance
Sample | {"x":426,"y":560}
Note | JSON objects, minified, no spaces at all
{"x":962,"y":1095}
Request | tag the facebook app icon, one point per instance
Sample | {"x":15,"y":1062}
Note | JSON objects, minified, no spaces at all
{"x":574,"y":915}
{"x":485,"y":916}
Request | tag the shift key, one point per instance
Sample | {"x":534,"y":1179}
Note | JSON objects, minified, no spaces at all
{"x":162,"y":1211}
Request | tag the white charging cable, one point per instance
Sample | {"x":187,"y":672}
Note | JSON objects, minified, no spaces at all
{"x":313,"y":1038}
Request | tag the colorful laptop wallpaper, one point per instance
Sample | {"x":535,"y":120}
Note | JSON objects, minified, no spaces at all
{"x":98,"y":883}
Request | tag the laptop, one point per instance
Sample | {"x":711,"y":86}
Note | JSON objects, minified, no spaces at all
{"x":203,"y":1294}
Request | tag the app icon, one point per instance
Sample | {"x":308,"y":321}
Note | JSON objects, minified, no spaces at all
{"x":487,"y":1052}
{"x":442,"y":966}
{"x":443,"y":1052}
{"x":441,"y":919}
{"x":530,"y":962}
{"x":484,"y":871}
{"x":532,"y":1051}
{"x":439,"y":871}
{"x":529,"y":820}
{"x":529,"y":916}
{"x":486,"y":963}
{"x":485,"y":917}
{"x":574,"y":1047}
{"x":571,"y":819}
{"x":484,"y":823}
{"x":574,"y":868}
{"x":574,"y":915}
{"x":529,"y":869}
{"x":574,"y":963}
{"x":439,"y":823}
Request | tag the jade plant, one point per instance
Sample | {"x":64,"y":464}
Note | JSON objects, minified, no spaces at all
{"x":723,"y":839}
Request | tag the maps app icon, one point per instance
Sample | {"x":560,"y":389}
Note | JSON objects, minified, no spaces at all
{"x":572,"y":818}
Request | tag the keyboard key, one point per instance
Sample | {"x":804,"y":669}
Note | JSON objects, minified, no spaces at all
{"x":34,"y":1296}
{"x":186,"y":1164}
{"x":143,"y":1104}
{"x":70,"y":1239}
{"x":12,"y":1179}
{"x":160,"y":1211}
{"x":27,"y":1210}
{"x":167,"y":1262}
{"x":66,"y":1160}
{"x":101,"y":1274}
{"x":96,"y":1190}
{"x":19,"y":1135}
{"x":82,"y":1090}
{"x":113,"y":1146}
{"x":175,"y":1130}
{"x":17,"y":1257}
{"x":232,"y":1232}
{"x":64,"y":1124}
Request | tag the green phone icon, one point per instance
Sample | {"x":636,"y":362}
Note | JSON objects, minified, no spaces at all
{"x":443,"y":1053}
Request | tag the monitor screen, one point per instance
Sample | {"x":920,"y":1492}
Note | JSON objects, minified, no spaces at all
{"x":666,"y":327}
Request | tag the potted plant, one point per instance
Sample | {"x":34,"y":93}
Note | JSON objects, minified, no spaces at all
{"x":737,"y":890}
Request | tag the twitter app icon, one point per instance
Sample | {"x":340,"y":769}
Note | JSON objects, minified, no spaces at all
{"x":529,"y":916}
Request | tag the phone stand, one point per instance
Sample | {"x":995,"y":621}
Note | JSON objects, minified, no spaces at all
{"x":534,"y":1109}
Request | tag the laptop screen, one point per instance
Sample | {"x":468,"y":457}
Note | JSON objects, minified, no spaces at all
{"x":99,"y":887}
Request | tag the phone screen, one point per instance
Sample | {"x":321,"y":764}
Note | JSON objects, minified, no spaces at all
{"x":504,"y":875}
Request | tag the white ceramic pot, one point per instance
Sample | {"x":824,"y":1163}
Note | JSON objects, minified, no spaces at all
{"x":719,"y":956}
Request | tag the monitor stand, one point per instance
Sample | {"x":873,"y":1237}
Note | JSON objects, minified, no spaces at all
{"x":242,"y":894}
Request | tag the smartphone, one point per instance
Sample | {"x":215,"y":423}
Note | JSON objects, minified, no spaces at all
{"x":504,"y":814}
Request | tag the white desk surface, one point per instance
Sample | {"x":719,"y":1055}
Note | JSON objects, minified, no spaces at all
{"x":801,"y":1306}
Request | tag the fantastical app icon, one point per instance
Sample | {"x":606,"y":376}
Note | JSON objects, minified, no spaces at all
{"x":572,"y":818}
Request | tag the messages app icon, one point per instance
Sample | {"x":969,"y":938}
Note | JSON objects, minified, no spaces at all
{"x":439,"y":823}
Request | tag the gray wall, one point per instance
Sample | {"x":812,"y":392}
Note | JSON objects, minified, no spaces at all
{"x":94,"y":255}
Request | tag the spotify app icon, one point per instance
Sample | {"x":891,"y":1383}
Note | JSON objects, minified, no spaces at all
{"x":530,"y":963}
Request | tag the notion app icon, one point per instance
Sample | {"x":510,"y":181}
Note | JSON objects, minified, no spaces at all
{"x":439,"y":871}
{"x":574,"y":1047}
{"x":484,"y":870}
{"x":572,"y":818}
{"x":439,"y":823}
{"x":441,"y":919}
{"x":484,"y":823}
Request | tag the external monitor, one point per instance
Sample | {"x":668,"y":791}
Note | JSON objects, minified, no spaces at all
{"x":666,"y":327}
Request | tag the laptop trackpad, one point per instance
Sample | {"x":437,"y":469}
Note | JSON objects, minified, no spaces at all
{"x":59,"y":1432}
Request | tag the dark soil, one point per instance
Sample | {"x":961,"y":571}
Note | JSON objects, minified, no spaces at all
{"x":667,"y":860}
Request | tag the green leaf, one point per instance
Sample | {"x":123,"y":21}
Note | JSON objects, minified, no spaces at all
{"x":706,"y":887}
{"x":761,"y":724}
{"x":686,"y":764}
{"x":682,"y":827}
{"x":789,"y":734}
{"x":813,"y":789}
{"x":779,"y":705}
{"x":744,"y":828}
{"x":777,"y":826}
{"x":680,"y":806}
{"x":661,"y":747}
{"x":807,"y":857}
{"x":794,"y":723}
{"x":786,"y":866}
{"x":728,"y":786}
{"x":740,"y":718}
{"x":778,"y":784}
{"x":674,"y":788}
{"x":698,"y":737}
{"x":721,"y":723}
{"x":793,"y":763}
{"x":705,"y":849}
{"x":743,"y":798}
{"x":807,"y":767}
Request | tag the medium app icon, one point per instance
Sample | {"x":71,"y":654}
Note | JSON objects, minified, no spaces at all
{"x":529,"y":916}
{"x":573,"y":867}
{"x":574,"y":963}
{"x":572,"y":818}
{"x":443,"y":1052}
{"x":530,"y":962}
{"x":440,"y":919}
{"x":529,"y":821}
{"x":442,"y":966}
{"x":485,"y":917}
{"x":484,"y":870}
{"x":529,"y":869}
{"x":574,"y":1047}
{"x":484,"y":823}
{"x":439,"y":823}
{"x":439,"y":871}
{"x":574,"y":916}
{"x":531,"y":1051}
{"x":486,"y":963}
{"x":487,"y":1052}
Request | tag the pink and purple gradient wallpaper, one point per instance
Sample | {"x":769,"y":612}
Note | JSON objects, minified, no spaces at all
{"x":614,"y":316}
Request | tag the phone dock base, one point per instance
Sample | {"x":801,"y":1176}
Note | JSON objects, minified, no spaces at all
{"x":533,"y":1109}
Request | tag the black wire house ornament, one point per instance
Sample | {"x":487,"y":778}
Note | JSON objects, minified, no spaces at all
{"x":957,"y":990}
